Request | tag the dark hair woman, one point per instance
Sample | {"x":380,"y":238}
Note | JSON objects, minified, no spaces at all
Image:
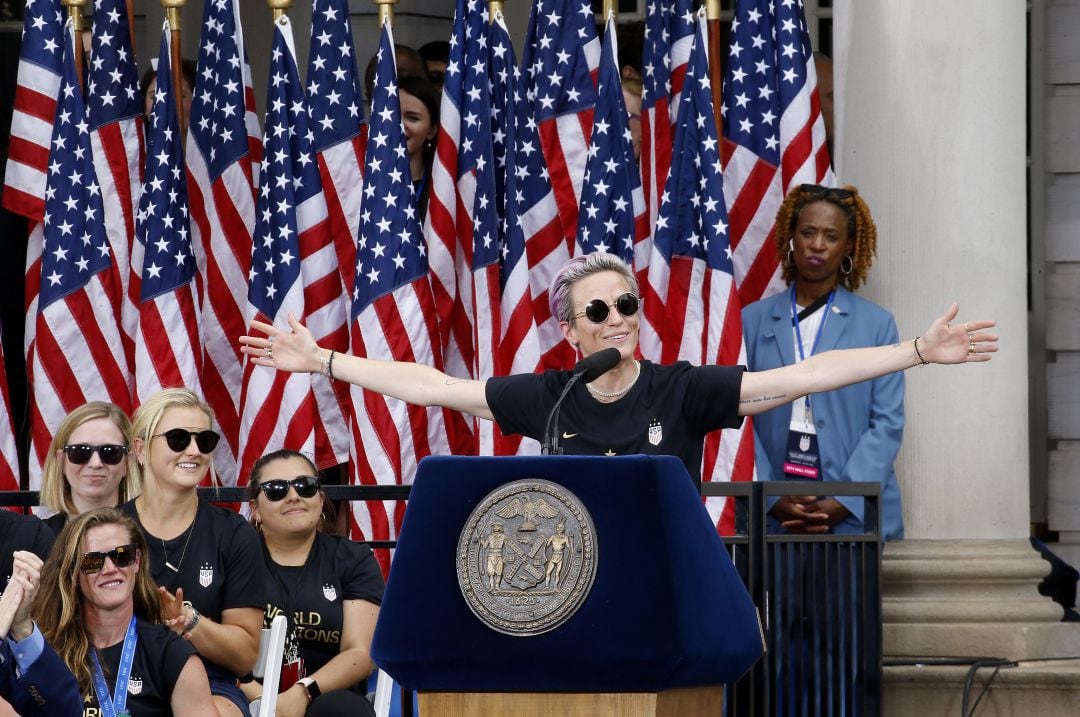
{"x":329,"y":587}
{"x":420,"y":116}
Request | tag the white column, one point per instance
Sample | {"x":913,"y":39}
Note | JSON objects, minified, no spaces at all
{"x":930,"y":102}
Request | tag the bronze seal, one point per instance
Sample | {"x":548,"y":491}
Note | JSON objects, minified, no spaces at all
{"x":526,"y":557}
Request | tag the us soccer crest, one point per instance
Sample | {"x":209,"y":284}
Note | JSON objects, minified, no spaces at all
{"x":206,"y":575}
{"x":804,"y":442}
{"x":134,"y":685}
{"x":329,"y":592}
{"x":656,"y":432}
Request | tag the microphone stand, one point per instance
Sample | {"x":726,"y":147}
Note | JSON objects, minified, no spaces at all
{"x":551,"y":430}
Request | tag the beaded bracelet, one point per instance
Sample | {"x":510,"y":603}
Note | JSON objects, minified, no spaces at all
{"x":922,"y":361}
{"x":328,"y":368}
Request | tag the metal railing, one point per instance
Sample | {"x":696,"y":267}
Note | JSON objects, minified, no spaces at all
{"x":818,"y":599}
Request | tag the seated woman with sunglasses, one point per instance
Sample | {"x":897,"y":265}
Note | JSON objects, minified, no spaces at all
{"x":87,"y":463}
{"x":205,"y":559}
{"x":638,"y":406}
{"x":329,"y":588}
{"x":103,"y":616}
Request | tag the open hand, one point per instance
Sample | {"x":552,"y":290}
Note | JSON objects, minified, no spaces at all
{"x":294,"y":350}
{"x":962,"y":343}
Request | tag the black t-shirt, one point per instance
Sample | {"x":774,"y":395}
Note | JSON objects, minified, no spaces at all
{"x":668,"y":411}
{"x":160,"y":656}
{"x":220,"y":566}
{"x":21,"y":532}
{"x":337,"y":570}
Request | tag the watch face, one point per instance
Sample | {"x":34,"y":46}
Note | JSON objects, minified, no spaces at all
{"x":312,"y":688}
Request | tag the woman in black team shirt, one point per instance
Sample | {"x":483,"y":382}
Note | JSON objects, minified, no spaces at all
{"x":637,"y":406}
{"x":205,"y":559}
{"x":102,"y":607}
{"x":328,"y":587}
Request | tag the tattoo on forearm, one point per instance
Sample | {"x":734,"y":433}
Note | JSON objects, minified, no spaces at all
{"x":451,"y":381}
{"x":762,"y":399}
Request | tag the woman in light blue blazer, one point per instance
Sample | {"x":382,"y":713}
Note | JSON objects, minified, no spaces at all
{"x":827,"y":241}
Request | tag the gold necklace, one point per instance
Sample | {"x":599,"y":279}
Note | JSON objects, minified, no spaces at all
{"x":622,"y":391}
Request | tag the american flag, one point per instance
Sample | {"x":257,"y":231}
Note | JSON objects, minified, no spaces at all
{"x":464,"y":230}
{"x":339,"y":124}
{"x":691,"y":270}
{"x":547,"y":211}
{"x":78,"y":355}
{"x":293,"y":271}
{"x":37,"y":88}
{"x":9,"y":456}
{"x":669,"y":33}
{"x":612,"y":215}
{"x":393,"y":313}
{"x":519,"y":349}
{"x":222,"y":153}
{"x":774,"y":136}
{"x":115,"y":110}
{"x":168,"y":349}
{"x":38,"y":84}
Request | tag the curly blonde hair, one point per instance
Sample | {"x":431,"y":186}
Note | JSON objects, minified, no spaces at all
{"x":861,"y":229}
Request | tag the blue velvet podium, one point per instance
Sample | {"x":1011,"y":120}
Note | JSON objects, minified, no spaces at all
{"x":666,"y":612}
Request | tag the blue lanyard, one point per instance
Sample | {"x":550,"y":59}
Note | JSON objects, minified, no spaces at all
{"x":118,"y":704}
{"x":821,"y":327}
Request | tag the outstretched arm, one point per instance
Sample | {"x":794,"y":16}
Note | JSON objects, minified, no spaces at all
{"x":296,"y":351}
{"x":941,"y":343}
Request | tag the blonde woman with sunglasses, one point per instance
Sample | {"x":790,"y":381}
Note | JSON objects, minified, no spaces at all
{"x":103,"y":616}
{"x":206,"y":560}
{"x":87,"y":463}
{"x":637,"y":406}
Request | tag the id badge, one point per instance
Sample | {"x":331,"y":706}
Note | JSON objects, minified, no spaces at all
{"x":802,"y":459}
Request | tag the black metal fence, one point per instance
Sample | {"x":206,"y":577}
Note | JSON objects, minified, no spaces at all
{"x":818,"y":598}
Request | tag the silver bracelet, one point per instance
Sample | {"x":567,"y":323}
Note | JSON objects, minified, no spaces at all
{"x":194,"y":622}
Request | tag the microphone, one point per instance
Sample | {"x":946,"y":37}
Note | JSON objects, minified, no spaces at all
{"x":587,"y":369}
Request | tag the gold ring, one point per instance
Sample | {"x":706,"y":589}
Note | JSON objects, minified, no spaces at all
{"x":971,"y":346}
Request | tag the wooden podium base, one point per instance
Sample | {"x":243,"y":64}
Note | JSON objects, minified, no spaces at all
{"x":669,"y":703}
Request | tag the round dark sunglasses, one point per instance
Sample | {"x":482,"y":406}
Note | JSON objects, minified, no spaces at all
{"x":79,"y":453}
{"x":597,"y":310}
{"x":278,"y":488}
{"x":178,"y":439}
{"x":122,"y":556}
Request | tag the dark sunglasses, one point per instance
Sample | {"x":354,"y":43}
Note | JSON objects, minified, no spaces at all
{"x":122,"y":556}
{"x":278,"y":488}
{"x":109,"y":453}
{"x":179,"y":439}
{"x":816,"y":190}
{"x":597,"y":310}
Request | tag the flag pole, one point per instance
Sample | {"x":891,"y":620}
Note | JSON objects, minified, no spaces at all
{"x":280,"y":7}
{"x":609,"y":10}
{"x":494,"y":6}
{"x":131,"y":25}
{"x":386,"y":10}
{"x":716,"y":70}
{"x":173,"y":14}
{"x":75,"y":13}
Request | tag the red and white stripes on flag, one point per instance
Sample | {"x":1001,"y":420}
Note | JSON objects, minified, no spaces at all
{"x":222,"y":154}
{"x":774,"y":136}
{"x":10,"y":475}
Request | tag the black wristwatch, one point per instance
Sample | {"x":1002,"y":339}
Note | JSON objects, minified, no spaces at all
{"x":311,"y":687}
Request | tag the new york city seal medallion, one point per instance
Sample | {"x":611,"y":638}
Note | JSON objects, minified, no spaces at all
{"x":526,"y":557}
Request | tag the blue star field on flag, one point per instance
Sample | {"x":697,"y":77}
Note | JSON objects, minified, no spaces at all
{"x":693,"y":217}
{"x":113,"y":79}
{"x":562,"y":81}
{"x":665,"y":24}
{"x":766,"y":70}
{"x":289,"y":176}
{"x":333,"y":91}
{"x":504,"y":81}
{"x":162,"y":222}
{"x":391,"y":251}
{"x":217,"y":112}
{"x":42,"y":39}
{"x":75,"y":246}
{"x":606,"y":220}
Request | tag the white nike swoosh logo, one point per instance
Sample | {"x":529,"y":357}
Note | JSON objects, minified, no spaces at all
{"x":568,"y":435}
